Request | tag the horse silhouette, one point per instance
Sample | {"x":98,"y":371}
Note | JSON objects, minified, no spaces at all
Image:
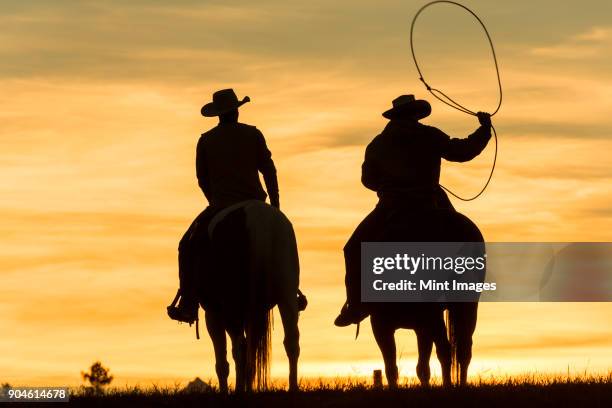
{"x":427,"y":319}
{"x":255,"y":267}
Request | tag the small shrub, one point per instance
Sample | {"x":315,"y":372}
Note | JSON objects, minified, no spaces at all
{"x":98,"y":376}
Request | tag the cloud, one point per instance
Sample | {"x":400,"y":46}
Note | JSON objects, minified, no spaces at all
{"x":119,"y":40}
{"x":590,"y":44}
{"x":595,"y":34}
{"x":556,"y":129}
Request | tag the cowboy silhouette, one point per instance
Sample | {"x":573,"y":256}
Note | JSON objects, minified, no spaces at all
{"x":229,"y":158}
{"x":402,"y":164}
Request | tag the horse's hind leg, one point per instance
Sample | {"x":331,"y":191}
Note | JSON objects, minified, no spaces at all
{"x":464,"y":317}
{"x":443,"y":348}
{"x":384,"y":335}
{"x":239,"y":350}
{"x":216,"y":330}
{"x":425,"y":345}
{"x":289,"y":315}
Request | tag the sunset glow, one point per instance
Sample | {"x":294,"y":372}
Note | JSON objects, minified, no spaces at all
{"x":99,"y":120}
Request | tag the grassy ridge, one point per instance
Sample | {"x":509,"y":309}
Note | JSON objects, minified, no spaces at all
{"x":509,"y":392}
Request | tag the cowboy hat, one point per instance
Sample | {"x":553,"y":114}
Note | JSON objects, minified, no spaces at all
{"x":408,"y":106}
{"x":223,"y":101}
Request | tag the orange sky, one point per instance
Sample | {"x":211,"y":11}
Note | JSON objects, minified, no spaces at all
{"x":99,"y":117}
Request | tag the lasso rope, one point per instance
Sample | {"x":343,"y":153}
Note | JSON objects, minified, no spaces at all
{"x":442,"y":97}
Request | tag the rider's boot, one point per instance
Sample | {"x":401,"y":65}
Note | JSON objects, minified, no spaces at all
{"x":350,"y":314}
{"x":186,"y":311}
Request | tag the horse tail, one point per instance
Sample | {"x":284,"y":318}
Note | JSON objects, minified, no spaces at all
{"x":451,"y":327}
{"x":258,"y":337}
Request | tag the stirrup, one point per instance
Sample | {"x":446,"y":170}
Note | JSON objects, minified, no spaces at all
{"x":344,"y":319}
{"x":350,"y":316}
{"x":176,"y":313}
{"x":179,"y":314}
{"x":302,"y":302}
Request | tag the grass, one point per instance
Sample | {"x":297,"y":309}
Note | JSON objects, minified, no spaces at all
{"x":521,"y":392}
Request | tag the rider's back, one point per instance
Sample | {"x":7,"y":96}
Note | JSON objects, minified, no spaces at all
{"x":229,"y":157}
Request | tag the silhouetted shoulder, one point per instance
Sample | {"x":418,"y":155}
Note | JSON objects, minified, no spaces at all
{"x":373,"y":152}
{"x":250,"y":129}
{"x":377,"y":141}
{"x":228,"y":129}
{"x":434,"y":132}
{"x":204,"y":136}
{"x":435,"y":135}
{"x":246,"y":127}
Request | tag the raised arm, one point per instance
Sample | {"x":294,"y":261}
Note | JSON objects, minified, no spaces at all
{"x":462,"y":150}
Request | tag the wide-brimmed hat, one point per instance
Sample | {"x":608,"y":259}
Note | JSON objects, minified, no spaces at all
{"x":408,"y":106}
{"x":223,"y":101}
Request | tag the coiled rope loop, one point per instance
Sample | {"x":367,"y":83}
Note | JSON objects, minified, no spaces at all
{"x":444,"y":98}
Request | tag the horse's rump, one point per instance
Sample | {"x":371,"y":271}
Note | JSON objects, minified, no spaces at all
{"x":274,"y":253}
{"x":252,"y":245}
